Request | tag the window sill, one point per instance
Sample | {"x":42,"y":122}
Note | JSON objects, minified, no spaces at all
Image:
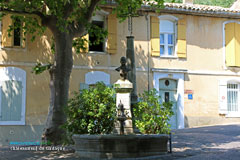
{"x":12,"y":123}
{"x":14,"y":48}
{"x":233,"y":115}
{"x":168,"y":57}
{"x":97,"y":53}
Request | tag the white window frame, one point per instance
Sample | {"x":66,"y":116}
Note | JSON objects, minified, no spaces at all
{"x":16,"y":74}
{"x":101,"y":15}
{"x":174,"y":21}
{"x":234,"y":113}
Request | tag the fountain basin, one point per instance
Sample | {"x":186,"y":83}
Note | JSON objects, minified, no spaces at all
{"x":119,"y":146}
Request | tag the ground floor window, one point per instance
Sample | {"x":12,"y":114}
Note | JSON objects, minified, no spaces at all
{"x":91,"y":78}
{"x":12,"y":96}
{"x":233,"y":97}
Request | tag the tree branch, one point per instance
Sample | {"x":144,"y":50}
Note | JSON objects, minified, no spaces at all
{"x":68,"y":10}
{"x":45,"y":19}
{"x":79,"y":29}
{"x":9,"y":11}
{"x":91,"y":9}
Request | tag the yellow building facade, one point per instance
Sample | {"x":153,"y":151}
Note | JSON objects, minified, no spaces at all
{"x":189,"y":53}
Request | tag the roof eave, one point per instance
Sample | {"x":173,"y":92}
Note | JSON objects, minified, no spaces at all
{"x":220,"y":14}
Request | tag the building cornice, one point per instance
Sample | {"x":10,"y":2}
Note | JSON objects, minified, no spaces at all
{"x":190,"y":9}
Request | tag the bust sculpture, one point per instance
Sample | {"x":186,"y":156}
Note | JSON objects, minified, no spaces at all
{"x":123,"y":70}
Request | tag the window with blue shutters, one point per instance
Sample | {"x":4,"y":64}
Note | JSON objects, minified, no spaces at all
{"x":93,"y":77}
{"x":11,"y":101}
{"x":12,"y":96}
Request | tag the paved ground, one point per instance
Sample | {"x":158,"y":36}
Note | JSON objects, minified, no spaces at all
{"x":205,"y":143}
{"x":208,"y":143}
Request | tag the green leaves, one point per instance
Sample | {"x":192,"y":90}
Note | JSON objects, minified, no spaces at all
{"x":27,"y":24}
{"x":99,"y":33}
{"x":79,"y":44}
{"x":91,"y":111}
{"x":39,"y":68}
{"x":173,"y":1}
{"x":151,"y":117}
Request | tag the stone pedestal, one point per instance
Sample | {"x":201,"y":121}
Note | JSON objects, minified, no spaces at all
{"x":123,"y":94}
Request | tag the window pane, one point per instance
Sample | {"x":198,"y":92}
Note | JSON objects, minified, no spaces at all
{"x":170,"y":50}
{"x":166,"y":26}
{"x":161,"y":50}
{"x":161,"y":38}
{"x":17,"y":32}
{"x":11,"y":100}
{"x":170,"y":39}
{"x":232,"y":97}
{"x":94,"y":46}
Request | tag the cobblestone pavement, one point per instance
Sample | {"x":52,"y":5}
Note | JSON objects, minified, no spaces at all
{"x":205,"y":143}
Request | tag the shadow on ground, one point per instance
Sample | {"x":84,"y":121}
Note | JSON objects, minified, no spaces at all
{"x":213,"y":142}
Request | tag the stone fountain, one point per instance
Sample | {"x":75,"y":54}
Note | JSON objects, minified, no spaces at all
{"x":124,"y":143}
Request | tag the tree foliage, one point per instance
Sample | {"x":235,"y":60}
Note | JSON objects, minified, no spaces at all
{"x":69,"y":21}
{"x":175,"y":1}
{"x":91,"y":111}
{"x":151,"y":117}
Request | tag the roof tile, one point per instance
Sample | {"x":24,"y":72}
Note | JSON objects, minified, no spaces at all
{"x":197,"y":7}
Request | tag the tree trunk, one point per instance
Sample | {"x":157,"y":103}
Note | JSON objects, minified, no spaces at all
{"x":59,"y":87}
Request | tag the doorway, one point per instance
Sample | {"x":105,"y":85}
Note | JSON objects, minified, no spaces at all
{"x":168,"y":93}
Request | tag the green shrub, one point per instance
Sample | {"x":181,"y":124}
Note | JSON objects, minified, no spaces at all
{"x":151,"y":117}
{"x":91,"y":111}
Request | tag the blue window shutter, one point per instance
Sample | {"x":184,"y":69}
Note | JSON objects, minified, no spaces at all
{"x":110,"y":85}
{"x":11,"y":100}
{"x":83,"y":86}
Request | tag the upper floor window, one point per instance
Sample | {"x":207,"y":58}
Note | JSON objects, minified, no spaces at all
{"x":167,"y":38}
{"x":107,"y":21}
{"x":17,"y":32}
{"x":17,"y":37}
{"x":99,"y":47}
{"x":232,"y":44}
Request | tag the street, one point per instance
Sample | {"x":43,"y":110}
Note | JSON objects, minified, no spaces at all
{"x":213,"y":142}
{"x":209,"y":143}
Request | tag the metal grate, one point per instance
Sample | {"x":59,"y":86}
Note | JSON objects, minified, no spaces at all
{"x":232,"y":97}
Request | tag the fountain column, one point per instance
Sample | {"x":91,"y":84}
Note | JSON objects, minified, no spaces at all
{"x":123,"y":89}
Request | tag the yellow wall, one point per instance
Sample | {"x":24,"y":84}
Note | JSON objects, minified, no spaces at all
{"x":204,"y":53}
